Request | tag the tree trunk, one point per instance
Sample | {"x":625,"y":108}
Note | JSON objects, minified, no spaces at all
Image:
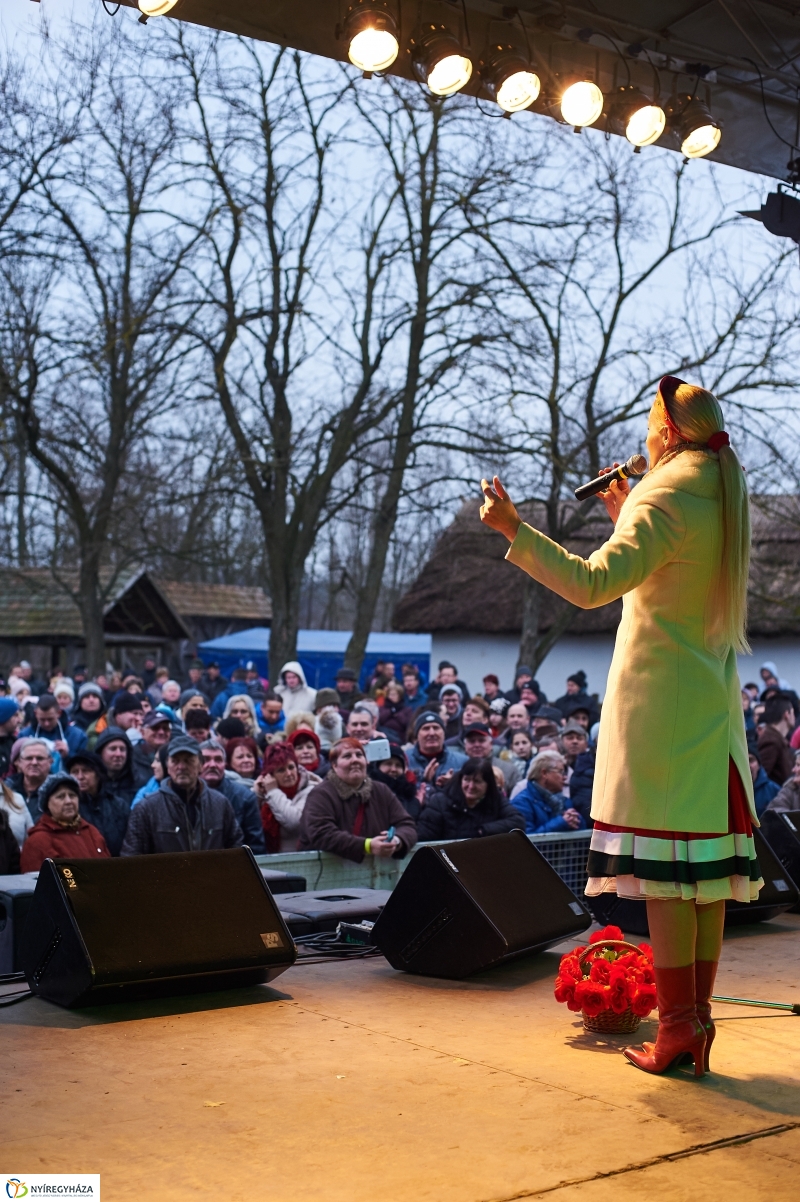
{"x":533,"y":647}
{"x":285,"y":584}
{"x":91,"y":608}
{"x":370,"y":590}
{"x":531,"y":609}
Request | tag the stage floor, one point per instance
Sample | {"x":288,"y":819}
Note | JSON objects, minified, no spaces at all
{"x":353,"y":1083}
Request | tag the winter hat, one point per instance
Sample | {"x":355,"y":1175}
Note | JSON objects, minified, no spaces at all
{"x":127,"y":703}
{"x":424,"y":718}
{"x":451,"y":688}
{"x":17,"y":685}
{"x":8,"y":708}
{"x":499,"y":705}
{"x":87,"y":757}
{"x":346,"y":674}
{"x":302,"y":733}
{"x":90,"y":687}
{"x":522,"y":670}
{"x":64,"y":686}
{"x":53,"y":783}
{"x":326,"y":697}
{"x":188,"y":694}
{"x":578,"y":678}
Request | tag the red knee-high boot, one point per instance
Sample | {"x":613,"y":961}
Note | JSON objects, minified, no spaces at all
{"x":705,"y":972}
{"x":680,"y":1033}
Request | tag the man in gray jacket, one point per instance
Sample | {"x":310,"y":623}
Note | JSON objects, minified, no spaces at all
{"x":245,"y":804}
{"x":183,"y":814}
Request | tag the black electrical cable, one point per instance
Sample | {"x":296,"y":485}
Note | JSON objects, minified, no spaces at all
{"x":791,"y":145}
{"x":116,"y":10}
{"x":466,"y":23}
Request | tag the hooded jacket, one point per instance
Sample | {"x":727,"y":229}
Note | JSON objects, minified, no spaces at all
{"x":764,"y":790}
{"x":162,"y":822}
{"x":124,"y":785}
{"x":295,"y":700}
{"x":73,"y":736}
{"x":107,"y":812}
{"x":49,"y":840}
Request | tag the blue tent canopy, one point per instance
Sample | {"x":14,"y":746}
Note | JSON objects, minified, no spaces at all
{"x":321,"y":652}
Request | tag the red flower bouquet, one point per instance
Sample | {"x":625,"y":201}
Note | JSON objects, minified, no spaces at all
{"x":611,"y":982}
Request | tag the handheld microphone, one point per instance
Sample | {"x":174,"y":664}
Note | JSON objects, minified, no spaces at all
{"x":636,"y":466}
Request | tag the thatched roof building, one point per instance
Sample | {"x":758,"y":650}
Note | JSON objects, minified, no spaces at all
{"x":467,"y":585}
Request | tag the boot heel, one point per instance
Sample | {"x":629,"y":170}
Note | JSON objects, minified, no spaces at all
{"x":698,"y":1054}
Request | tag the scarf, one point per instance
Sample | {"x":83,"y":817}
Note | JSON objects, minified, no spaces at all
{"x":346,"y":791}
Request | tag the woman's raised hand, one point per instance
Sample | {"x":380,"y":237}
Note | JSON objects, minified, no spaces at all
{"x":614,"y":496}
{"x":498,"y":510}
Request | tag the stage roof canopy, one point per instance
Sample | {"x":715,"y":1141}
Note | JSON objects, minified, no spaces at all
{"x":715,"y":49}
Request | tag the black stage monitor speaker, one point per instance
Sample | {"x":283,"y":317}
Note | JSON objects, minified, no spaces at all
{"x":142,"y":926}
{"x":782,"y":830}
{"x":462,"y":907}
{"x":16,"y":897}
{"x":778,"y":894}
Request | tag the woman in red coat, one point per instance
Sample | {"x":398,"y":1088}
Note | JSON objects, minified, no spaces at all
{"x":61,"y":832}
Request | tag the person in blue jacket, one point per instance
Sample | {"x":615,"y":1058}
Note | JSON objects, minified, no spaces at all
{"x":764,"y":789}
{"x":541,"y":803}
{"x":50,"y":723}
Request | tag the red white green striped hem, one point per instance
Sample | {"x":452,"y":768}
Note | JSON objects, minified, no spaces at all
{"x":667,"y":864}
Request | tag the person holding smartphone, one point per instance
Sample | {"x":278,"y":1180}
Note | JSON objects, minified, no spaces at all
{"x":351,"y":815}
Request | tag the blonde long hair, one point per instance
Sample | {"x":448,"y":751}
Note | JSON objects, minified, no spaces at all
{"x":695,"y":415}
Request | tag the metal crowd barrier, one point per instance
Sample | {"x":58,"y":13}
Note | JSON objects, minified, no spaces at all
{"x":567,"y":852}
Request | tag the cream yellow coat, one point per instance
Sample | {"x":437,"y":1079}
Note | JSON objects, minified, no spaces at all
{"x":672,"y":713}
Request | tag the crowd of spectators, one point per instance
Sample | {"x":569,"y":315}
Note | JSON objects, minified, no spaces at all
{"x":142,"y":763}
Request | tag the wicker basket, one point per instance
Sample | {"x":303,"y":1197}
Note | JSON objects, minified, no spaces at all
{"x":607,"y":1022}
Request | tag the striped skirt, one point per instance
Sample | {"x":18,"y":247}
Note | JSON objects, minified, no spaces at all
{"x":639,"y":864}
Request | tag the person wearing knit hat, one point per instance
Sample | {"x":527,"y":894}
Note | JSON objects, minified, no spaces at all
{"x":64,"y":694}
{"x":10,"y":721}
{"x":328,"y":723}
{"x":347,"y":689}
{"x":307,"y":749}
{"x":429,"y":758}
{"x":61,"y":832}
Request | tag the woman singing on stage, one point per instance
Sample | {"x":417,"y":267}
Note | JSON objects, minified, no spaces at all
{"x":673,"y":798}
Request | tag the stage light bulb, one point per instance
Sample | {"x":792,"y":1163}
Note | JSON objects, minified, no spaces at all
{"x":646,"y":125}
{"x":582,"y":103}
{"x":701,"y":141}
{"x":449,"y":74}
{"x":156,"y":8}
{"x":373,"y":49}
{"x":518,"y":91}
